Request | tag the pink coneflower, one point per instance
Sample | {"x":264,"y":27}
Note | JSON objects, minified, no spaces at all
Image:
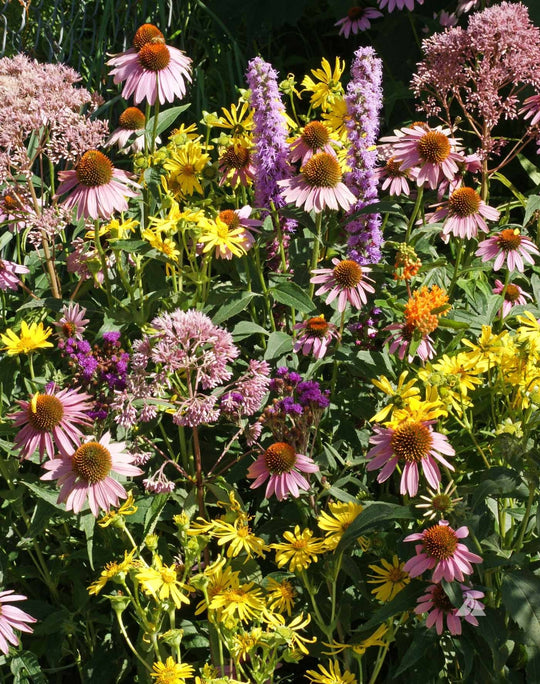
{"x":432,"y":151}
{"x":315,"y":138}
{"x":151,"y":70}
{"x":85,"y":474}
{"x":394,"y":178}
{"x":409,"y":444}
{"x":95,"y":187}
{"x":441,"y":552}
{"x":131,"y":121}
{"x":513,"y":296}
{"x":318,"y":186}
{"x":12,"y":618}
{"x":347,"y":281}
{"x":509,"y":246}
{"x":236,"y":165}
{"x":463,"y":214}
{"x":51,"y":418}
{"x":438,"y":605}
{"x":401,"y":338}
{"x":316,"y":336}
{"x":282,"y":467}
{"x":357,"y":19}
{"x":531,"y":109}
{"x":399,"y":4}
{"x":72,"y":324}
{"x":9,"y":272}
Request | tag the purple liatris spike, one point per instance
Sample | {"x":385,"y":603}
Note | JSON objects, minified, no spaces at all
{"x":270,"y":134}
{"x":364,"y":101}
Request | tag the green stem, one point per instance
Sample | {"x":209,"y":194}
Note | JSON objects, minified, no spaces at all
{"x":525,"y":521}
{"x":414,"y":214}
{"x":316,"y":249}
{"x":128,"y":641}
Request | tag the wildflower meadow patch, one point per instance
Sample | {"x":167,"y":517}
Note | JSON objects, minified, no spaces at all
{"x":270,"y":362}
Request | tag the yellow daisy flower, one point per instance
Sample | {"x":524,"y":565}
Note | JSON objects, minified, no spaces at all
{"x":245,"y":642}
{"x":162,"y":244}
{"x":171,"y":672}
{"x":289,"y":632}
{"x":399,"y":394}
{"x":112,"y":570}
{"x":170,"y":222}
{"x":32,"y":337}
{"x":417,"y":411}
{"x":280,"y":596}
{"x":217,"y":578}
{"x":391,"y":579}
{"x":336,"y":117}
{"x":332,"y":675}
{"x":299,"y":549}
{"x":376,"y":639}
{"x":162,"y":583}
{"x":185,"y":166}
{"x":328,"y":86}
{"x":239,"y":120}
{"x":239,"y":537}
{"x":217,"y":235}
{"x":486,"y":352}
{"x":338,"y":520}
{"x":242,"y":602}
{"x":126,"y":508}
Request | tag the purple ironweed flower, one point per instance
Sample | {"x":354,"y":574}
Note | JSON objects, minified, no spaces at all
{"x":270,"y":158}
{"x":364,"y":102}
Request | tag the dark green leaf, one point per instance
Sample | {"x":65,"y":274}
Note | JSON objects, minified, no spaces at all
{"x":533,"y":204}
{"x":424,"y":640}
{"x":404,"y":602}
{"x":232,"y":306}
{"x":372,"y":516}
{"x":165,"y":119}
{"x":292,"y":295}
{"x":279,"y":343}
{"x":521,"y":598}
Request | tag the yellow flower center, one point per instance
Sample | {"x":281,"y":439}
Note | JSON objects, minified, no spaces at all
{"x":440,"y":542}
{"x":280,"y":458}
{"x":168,"y":575}
{"x":45,"y":412}
{"x":132,"y":118}
{"x":236,"y":157}
{"x":322,"y":171}
{"x":347,"y":273}
{"x":229,"y":217}
{"x":411,"y":442}
{"x":434,"y":147}
{"x":315,"y":135}
{"x":94,"y":169}
{"x":317,"y":326}
{"x":92,"y":462}
{"x":509,"y":239}
{"x":464,"y":202}
{"x":512,"y":293}
{"x":145,"y":34}
{"x":154,"y":56}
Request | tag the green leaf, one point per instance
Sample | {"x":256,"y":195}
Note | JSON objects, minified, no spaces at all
{"x":232,"y":306}
{"x":151,"y":518}
{"x":292,"y":295}
{"x":533,"y":204}
{"x":45,"y":494}
{"x":423,"y":641}
{"x":452,"y":324}
{"x":131,"y":245}
{"x":165,"y":119}
{"x":26,"y":664}
{"x":521,"y":598}
{"x":530,"y":168}
{"x":279,"y":344}
{"x":507,"y":183}
{"x":87,"y":523}
{"x":244,"y":329}
{"x":372,"y":516}
{"x":404,"y":602}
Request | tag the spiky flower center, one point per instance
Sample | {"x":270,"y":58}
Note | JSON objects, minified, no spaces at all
{"x":396,"y":575}
{"x":280,"y":458}
{"x":92,"y":462}
{"x":442,"y":503}
{"x":464,"y":202}
{"x":230,"y":217}
{"x":355,"y":13}
{"x":434,"y":147}
{"x":411,"y":442}
{"x":393,"y":168}
{"x":154,"y":56}
{"x":317,"y":326}
{"x":440,"y":542}
{"x":347,"y":273}
{"x":236,"y":157}
{"x":45,"y":412}
{"x":69,"y":329}
{"x":145,"y":34}
{"x":509,"y":239}
{"x":322,"y":171}
{"x":441,"y":600}
{"x":94,"y":169}
{"x":315,"y":135}
{"x":132,"y":119}
{"x":512,"y":293}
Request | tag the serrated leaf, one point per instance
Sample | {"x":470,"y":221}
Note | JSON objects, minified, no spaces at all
{"x":294,"y":296}
{"x":279,"y":343}
{"x":372,"y":516}
{"x":233,"y":305}
{"x":521,"y":597}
